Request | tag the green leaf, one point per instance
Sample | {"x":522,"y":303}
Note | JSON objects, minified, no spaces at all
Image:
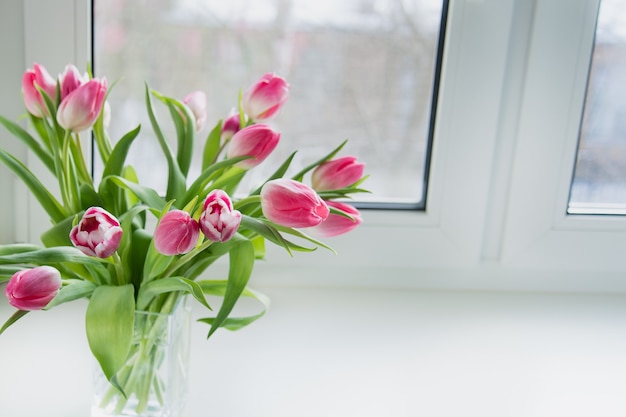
{"x":50,"y":255}
{"x":302,"y":235}
{"x":50,"y":204}
{"x":259,"y":246}
{"x":109,"y":323}
{"x":115,"y":163}
{"x":125,"y":249}
{"x":15,"y":317}
{"x":205,"y":177}
{"x":218,"y":288}
{"x":89,"y":197}
{"x":6,"y":272}
{"x":59,"y":234}
{"x":148,"y":195}
{"x":176,"y":180}
{"x":155,"y":263}
{"x":241,"y":258}
{"x":74,"y":290}
{"x":165,"y":285}
{"x":279,"y":173}
{"x":185,"y":129}
{"x":212,"y":146}
{"x":17,"y":131}
{"x":270,"y":232}
{"x":17,"y":248}
{"x":300,"y":175}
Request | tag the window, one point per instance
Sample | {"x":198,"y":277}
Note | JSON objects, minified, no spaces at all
{"x":365,"y":70}
{"x":512,"y":91}
{"x":599,"y":185}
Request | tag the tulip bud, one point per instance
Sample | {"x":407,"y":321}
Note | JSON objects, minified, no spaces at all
{"x":70,"y":80}
{"x":336,"y":224}
{"x":176,"y":233}
{"x":196,"y":101}
{"x":33,"y":289}
{"x":81,"y":108}
{"x":97,"y":234}
{"x":38,"y":77}
{"x":257,"y":141}
{"x":230,"y":126}
{"x":336,"y":174}
{"x":291,"y":203}
{"x":264,"y":99}
{"x":219,"y":221}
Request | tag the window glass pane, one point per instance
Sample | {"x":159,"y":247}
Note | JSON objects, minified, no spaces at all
{"x":599,"y":185}
{"x":362,"y":70}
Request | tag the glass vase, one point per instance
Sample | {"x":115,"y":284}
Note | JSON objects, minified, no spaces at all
{"x":154,"y":377}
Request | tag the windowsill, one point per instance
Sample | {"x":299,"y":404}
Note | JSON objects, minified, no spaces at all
{"x":366,"y":352}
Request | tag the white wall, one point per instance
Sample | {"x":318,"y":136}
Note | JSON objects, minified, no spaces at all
{"x":11,"y":70}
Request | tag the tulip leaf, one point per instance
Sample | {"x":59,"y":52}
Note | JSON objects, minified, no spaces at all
{"x":212,"y":146}
{"x":302,"y":235}
{"x":155,"y":263}
{"x":272,"y":233}
{"x":45,"y":198}
{"x":218,"y":288}
{"x":30,"y":141}
{"x":205,"y":177}
{"x":89,"y":197}
{"x":176,"y":180}
{"x":300,"y":175}
{"x":6,"y":272}
{"x":165,"y":285}
{"x":115,"y":163}
{"x":341,"y":192}
{"x":125,"y":249}
{"x":50,"y":255}
{"x":15,"y":317}
{"x":17,"y":248}
{"x":109,"y":323}
{"x":279,"y":173}
{"x":75,"y":289}
{"x":241,"y":262}
{"x":183,"y":120}
{"x":59,"y":234}
{"x":148,"y":195}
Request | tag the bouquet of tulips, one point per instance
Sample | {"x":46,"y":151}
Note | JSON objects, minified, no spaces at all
{"x":100,"y":245}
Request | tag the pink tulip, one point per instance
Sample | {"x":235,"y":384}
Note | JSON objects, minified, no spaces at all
{"x":230,"y":126}
{"x":264,"y":99}
{"x":336,"y":174}
{"x":336,"y":224}
{"x":70,"y":80}
{"x":38,"y":77}
{"x":97,"y":234}
{"x":81,"y":108}
{"x":257,"y":141}
{"x":196,"y":101}
{"x":219,"y":221}
{"x":33,"y":289}
{"x":176,"y":233}
{"x":291,"y":203}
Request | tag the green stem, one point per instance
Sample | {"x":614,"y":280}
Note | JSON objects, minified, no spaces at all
{"x":187,"y":257}
{"x":119,"y":269}
{"x":85,"y":176}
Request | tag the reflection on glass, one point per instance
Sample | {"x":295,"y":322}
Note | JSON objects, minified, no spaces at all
{"x":361,"y":70}
{"x":599,"y":185}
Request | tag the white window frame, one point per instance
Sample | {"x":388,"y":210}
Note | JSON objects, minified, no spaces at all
{"x":512,"y":88}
